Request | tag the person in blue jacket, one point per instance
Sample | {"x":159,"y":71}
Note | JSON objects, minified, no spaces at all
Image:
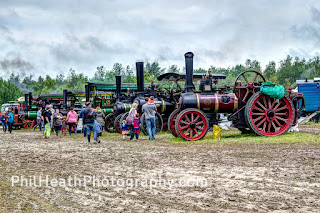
{"x":98,"y":130}
{"x":3,"y":120}
{"x":10,"y":119}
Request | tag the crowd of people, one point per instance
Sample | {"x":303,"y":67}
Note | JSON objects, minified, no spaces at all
{"x":7,"y":120}
{"x":50,"y":120}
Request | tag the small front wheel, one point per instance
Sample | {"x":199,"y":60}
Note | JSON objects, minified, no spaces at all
{"x":191,"y":124}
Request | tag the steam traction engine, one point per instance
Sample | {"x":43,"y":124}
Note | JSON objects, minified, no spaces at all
{"x":164,"y":107}
{"x":250,"y":109}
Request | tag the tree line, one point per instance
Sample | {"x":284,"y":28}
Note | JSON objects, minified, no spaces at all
{"x":285,"y":72}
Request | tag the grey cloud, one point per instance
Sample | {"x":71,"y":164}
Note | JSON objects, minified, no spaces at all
{"x":309,"y":32}
{"x":16,"y":65}
{"x":55,"y":35}
{"x":315,"y":15}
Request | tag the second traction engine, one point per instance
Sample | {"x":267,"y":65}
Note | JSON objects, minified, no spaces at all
{"x":164,"y":108}
{"x":248,"y":108}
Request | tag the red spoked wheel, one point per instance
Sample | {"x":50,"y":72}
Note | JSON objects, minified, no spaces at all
{"x":172,"y":122}
{"x":117,"y":124}
{"x":109,"y":121}
{"x":27,"y":124}
{"x":191,"y":124}
{"x":268,"y":116}
{"x":252,"y":80}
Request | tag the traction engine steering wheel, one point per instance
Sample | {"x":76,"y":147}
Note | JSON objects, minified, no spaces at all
{"x":243,"y":91}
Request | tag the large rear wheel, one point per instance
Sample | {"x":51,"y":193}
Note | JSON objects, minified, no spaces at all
{"x":268,"y":116}
{"x":191,"y":124}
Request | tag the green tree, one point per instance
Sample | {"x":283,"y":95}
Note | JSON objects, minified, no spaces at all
{"x":153,"y":69}
{"x":200,"y":70}
{"x":314,"y":67}
{"x":99,"y":75}
{"x":290,"y":70}
{"x":8,"y":91}
{"x":270,"y":73}
{"x":75,"y":82}
{"x":174,"y":69}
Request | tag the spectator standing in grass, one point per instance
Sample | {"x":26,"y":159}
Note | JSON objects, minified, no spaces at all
{"x":47,"y":120}
{"x":39,"y":119}
{"x":136,"y":126}
{"x":42,"y":117}
{"x":149,"y":109}
{"x":98,"y":130}
{"x":125,"y":129}
{"x":131,"y":115}
{"x":64,"y":126}
{"x":57,"y":121}
{"x":4,"y":121}
{"x":88,"y":115}
{"x":10,"y":119}
{"x":72,"y":118}
{"x":52,"y":112}
{"x":100,"y":117}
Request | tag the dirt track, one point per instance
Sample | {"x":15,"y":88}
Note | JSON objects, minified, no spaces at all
{"x":240,"y":177}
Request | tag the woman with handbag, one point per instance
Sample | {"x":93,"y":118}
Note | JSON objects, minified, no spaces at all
{"x":130,"y":118}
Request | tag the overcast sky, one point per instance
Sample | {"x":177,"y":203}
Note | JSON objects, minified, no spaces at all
{"x":42,"y":36}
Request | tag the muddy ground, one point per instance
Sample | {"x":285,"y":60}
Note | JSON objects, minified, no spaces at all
{"x":240,"y":177}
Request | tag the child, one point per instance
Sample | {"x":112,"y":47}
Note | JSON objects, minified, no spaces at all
{"x":136,"y":126}
{"x":125,"y":129}
{"x":98,"y":130}
{"x":3,"y":120}
{"x":64,"y":125}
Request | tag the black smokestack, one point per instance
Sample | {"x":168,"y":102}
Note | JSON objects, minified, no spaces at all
{"x":65,"y":98}
{"x":118,"y":87}
{"x":26,"y":102}
{"x":30,"y":99}
{"x":189,"y":71}
{"x":87,"y":89}
{"x":140,"y":78}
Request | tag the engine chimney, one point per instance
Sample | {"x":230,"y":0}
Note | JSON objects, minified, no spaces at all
{"x":140,"y":78}
{"x":65,"y":99}
{"x":87,"y":90}
{"x":26,"y":102}
{"x":118,"y":87}
{"x":189,"y":71}
{"x":30,"y":100}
